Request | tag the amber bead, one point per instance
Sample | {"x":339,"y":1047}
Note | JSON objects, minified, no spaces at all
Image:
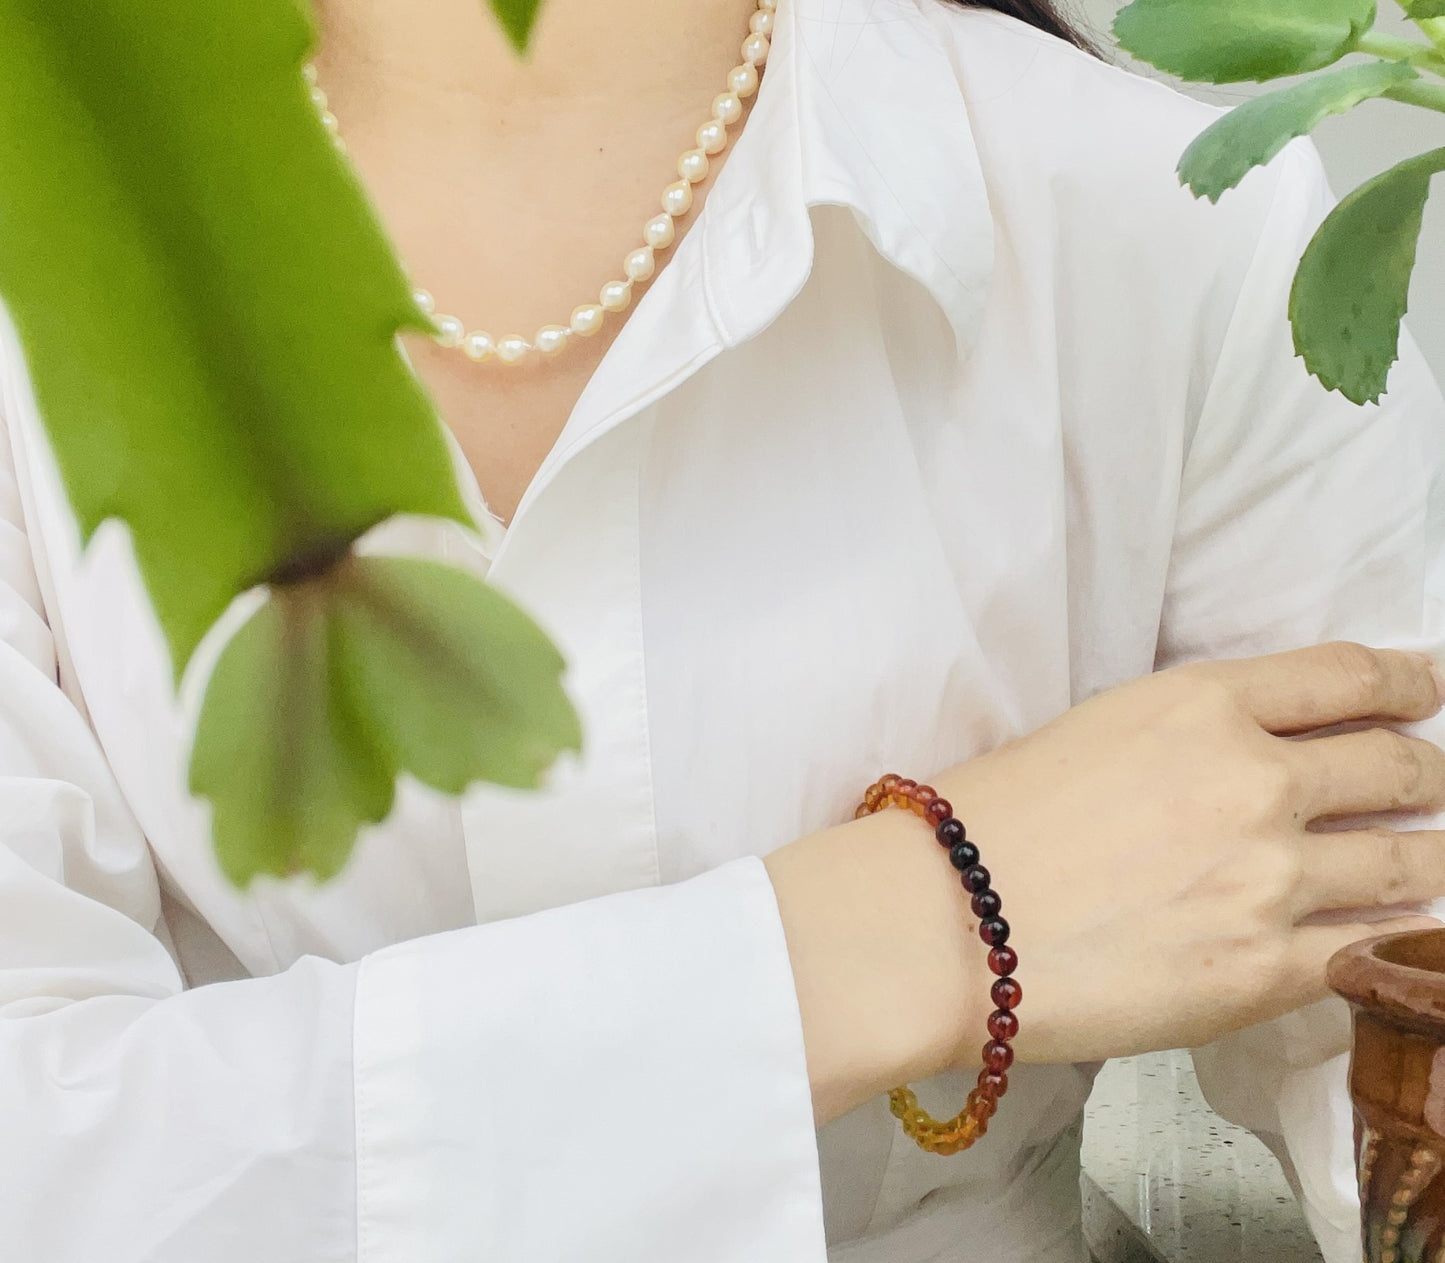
{"x":992,"y":1085}
{"x":986,"y":904}
{"x":953,"y":1135}
{"x":977,"y":879}
{"x":950,"y":832}
{"x":963,"y":856}
{"x":1002,"y":1025}
{"x":1003,"y":961}
{"x":1007,"y":993}
{"x":994,"y":932}
{"x":997,"y":1056}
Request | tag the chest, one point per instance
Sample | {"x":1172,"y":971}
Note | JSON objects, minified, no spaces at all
{"x":817,"y":555}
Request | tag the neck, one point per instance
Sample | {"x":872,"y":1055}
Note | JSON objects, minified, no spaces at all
{"x":583,"y":51}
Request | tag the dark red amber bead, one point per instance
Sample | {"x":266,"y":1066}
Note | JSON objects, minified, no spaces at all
{"x":983,"y":1108}
{"x":994,"y":932}
{"x":997,"y":1057}
{"x":1007,"y":993}
{"x":1003,"y":961}
{"x":977,"y":878}
{"x":906,"y":785}
{"x":986,"y":904}
{"x":992,"y":1085}
{"x":939,"y":810}
{"x":963,"y":856}
{"x":924,"y":795}
{"x":1002,"y":1025}
{"x":950,"y":832}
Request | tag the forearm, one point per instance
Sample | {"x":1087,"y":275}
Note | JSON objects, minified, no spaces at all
{"x":891,"y":984}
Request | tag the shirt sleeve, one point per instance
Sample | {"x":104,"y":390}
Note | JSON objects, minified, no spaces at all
{"x":622,"y":1080}
{"x":1304,"y":519}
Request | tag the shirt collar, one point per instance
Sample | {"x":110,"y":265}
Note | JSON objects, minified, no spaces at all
{"x":861,"y":106}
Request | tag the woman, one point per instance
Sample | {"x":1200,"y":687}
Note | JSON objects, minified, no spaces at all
{"x":946,"y":412}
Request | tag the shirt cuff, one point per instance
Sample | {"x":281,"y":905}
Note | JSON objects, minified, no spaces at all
{"x":622,"y":1079}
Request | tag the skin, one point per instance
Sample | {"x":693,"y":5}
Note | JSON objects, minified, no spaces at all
{"x":1156,"y":846}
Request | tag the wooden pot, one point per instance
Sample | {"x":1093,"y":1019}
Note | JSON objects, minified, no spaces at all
{"x":1396,"y":989}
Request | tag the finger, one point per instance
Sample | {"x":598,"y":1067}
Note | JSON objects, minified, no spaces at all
{"x":1312,"y":946}
{"x":1357,"y":773}
{"x":1371,"y":868}
{"x":1330,"y":684}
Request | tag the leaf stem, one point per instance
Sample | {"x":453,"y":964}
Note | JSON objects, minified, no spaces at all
{"x":1434,"y":29}
{"x":1429,"y":95}
{"x":1392,"y":48}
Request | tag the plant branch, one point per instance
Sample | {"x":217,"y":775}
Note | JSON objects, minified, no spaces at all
{"x":1434,"y":29}
{"x":1392,"y":48}
{"x":1429,"y":95}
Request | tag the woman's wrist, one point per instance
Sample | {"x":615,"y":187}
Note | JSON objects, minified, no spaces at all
{"x":892,"y":985}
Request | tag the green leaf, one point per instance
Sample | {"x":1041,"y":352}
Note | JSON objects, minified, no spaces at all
{"x":1353,"y":284}
{"x":1419,"y":10}
{"x":1253,"y":133}
{"x":339,"y":684}
{"x":517,"y":18}
{"x":206,"y":301}
{"x":1226,"y":41}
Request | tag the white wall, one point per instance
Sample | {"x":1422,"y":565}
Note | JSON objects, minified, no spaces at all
{"x":1356,"y":146}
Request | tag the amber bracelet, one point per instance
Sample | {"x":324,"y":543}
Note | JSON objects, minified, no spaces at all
{"x":972,"y":1121}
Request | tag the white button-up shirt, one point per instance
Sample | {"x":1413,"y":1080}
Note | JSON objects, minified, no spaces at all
{"x":952,"y":410}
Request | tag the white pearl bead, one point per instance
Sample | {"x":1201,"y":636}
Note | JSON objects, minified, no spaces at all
{"x":551,"y":338}
{"x":755,"y":49}
{"x":309,"y":71}
{"x":769,"y":5}
{"x":743,"y":79}
{"x":587,"y":319}
{"x":640,"y":264}
{"x":479,"y":345}
{"x":318,"y":98}
{"x":726,"y":108}
{"x":659,"y":232}
{"x":761,"y":23}
{"x":677,"y":199}
{"x":692,"y":166}
{"x":450,"y":331}
{"x":329,"y":121}
{"x":712,"y":137}
{"x":512,"y":349}
{"x":425,"y":303}
{"x":616,"y":295}
{"x":338,"y":142}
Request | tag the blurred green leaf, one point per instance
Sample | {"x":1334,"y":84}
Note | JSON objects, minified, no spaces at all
{"x":1353,"y":284}
{"x":1226,"y":41}
{"x":339,"y":684}
{"x":517,"y":18}
{"x":206,"y":301}
{"x":1419,"y":10}
{"x":1253,"y":133}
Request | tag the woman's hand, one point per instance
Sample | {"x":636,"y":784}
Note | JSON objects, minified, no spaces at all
{"x":1154,"y":852}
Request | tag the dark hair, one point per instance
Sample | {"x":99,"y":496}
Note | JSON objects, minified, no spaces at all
{"x":1043,"y":14}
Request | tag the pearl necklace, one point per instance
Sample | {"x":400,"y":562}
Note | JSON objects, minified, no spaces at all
{"x":657,"y":234}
